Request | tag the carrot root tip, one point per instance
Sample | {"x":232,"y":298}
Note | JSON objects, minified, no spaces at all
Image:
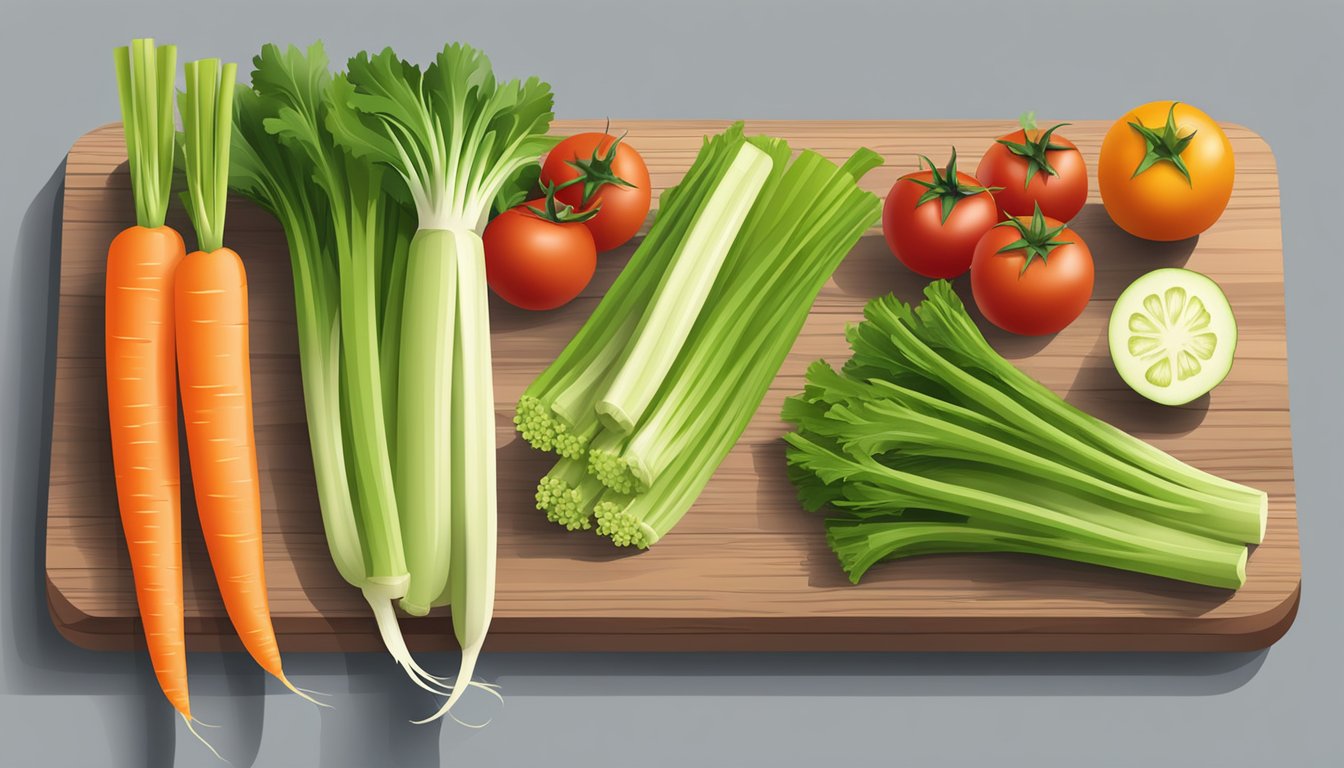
{"x":191,"y":726}
{"x":303,"y":694}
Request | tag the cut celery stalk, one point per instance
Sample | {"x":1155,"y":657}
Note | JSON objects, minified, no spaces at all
{"x":680,"y":296}
{"x":555,"y":412}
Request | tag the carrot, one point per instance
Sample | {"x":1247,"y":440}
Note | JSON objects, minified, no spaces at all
{"x":142,"y":416}
{"x":210,"y":306}
{"x":138,"y":349}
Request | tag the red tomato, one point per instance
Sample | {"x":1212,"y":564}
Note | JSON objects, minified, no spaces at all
{"x":534,"y":263}
{"x":617,"y":180}
{"x":937,"y":237}
{"x":1035,"y":168}
{"x":1032,"y":275}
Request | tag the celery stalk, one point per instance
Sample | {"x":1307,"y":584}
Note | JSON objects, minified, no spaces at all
{"x":425,"y":416}
{"x":454,"y":139}
{"x":555,"y":412}
{"x":777,"y":267}
{"x":683,"y":290}
{"x":794,"y":211}
{"x":896,"y":336}
{"x":471,"y":582}
{"x":337,"y":216}
{"x":861,"y":544}
{"x":928,"y":442}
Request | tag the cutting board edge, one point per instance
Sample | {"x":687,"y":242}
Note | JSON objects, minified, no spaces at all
{"x":1242,"y":634}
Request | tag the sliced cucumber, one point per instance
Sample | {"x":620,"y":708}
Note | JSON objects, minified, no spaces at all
{"x":1172,"y":335}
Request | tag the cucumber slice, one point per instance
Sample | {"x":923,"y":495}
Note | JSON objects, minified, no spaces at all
{"x":1172,"y":335}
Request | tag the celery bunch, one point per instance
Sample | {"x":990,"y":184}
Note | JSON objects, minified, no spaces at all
{"x":929,"y":442}
{"x":383,"y":177}
{"x":654,"y":390}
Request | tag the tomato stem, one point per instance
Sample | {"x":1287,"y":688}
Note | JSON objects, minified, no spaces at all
{"x":1036,"y":239}
{"x":1166,"y":146}
{"x":945,"y":186}
{"x":562,"y":213}
{"x":1034,"y":150}
{"x":598,"y":170}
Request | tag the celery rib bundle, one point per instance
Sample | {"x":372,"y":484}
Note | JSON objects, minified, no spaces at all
{"x":929,"y":442}
{"x":656,"y":387}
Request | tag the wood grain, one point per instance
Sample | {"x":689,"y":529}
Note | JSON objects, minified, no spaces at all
{"x":746,"y":569}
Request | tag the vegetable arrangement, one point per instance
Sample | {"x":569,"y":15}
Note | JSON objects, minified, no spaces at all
{"x":656,"y":387}
{"x":402,"y":191}
{"x":1031,"y":275}
{"x":926,"y":440}
{"x":1165,"y":173}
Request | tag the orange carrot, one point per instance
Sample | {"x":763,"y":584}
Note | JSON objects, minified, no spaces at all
{"x":142,"y":416}
{"x":138,"y":350}
{"x":212,"y":357}
{"x":210,"y":305}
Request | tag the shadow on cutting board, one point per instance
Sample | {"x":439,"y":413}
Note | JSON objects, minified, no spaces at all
{"x":1099,"y":390}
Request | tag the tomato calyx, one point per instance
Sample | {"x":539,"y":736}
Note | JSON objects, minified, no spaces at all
{"x":1033,"y":150}
{"x":1165,"y":146}
{"x":946,"y":187}
{"x":1036,"y":240}
{"x":562,"y":213}
{"x":598,"y":170}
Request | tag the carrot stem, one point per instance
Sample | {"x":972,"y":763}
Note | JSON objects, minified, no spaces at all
{"x":207,"y":127}
{"x":145,"y":77}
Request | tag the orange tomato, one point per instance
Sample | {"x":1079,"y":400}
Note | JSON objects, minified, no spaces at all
{"x":1186,"y":177}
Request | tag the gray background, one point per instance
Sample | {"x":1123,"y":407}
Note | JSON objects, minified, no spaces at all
{"x":1272,"y":66}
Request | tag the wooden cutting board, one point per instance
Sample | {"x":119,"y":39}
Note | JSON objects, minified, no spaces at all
{"x":747,"y":569}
